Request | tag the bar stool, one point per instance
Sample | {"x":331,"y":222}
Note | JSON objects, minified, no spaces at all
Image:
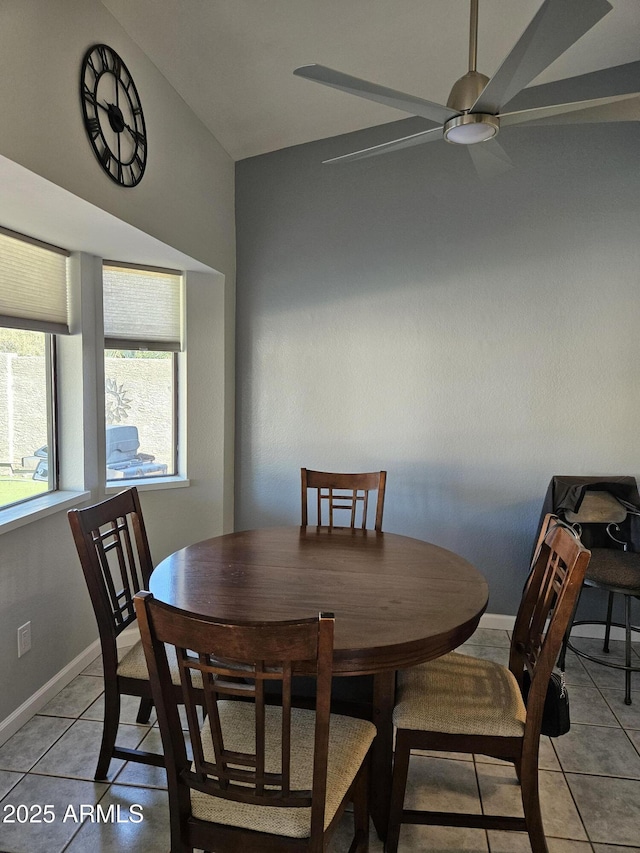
{"x":615,"y":569}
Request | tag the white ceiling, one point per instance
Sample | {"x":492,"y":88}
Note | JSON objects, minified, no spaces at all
{"x":232,"y":60}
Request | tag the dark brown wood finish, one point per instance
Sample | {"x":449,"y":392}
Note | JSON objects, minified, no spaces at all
{"x":235,"y":661}
{"x":397,"y":602}
{"x":548,"y":601}
{"x":344,"y":497}
{"x":112,"y":545}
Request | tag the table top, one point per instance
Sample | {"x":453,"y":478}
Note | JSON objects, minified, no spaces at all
{"x":397,"y":601}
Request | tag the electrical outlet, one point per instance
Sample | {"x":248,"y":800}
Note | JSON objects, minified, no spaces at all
{"x":24,"y":639}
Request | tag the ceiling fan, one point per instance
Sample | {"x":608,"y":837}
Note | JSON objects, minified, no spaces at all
{"x":474,"y":112}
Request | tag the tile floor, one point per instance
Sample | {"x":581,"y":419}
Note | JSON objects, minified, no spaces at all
{"x":590,"y":778}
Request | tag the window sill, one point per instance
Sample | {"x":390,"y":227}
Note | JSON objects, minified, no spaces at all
{"x":149,"y":484}
{"x":17,"y":516}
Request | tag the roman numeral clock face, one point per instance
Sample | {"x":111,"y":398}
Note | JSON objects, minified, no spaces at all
{"x":113,"y":116}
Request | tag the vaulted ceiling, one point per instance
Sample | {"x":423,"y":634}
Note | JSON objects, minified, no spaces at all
{"x":232,"y":60}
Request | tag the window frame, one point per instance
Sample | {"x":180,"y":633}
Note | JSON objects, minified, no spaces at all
{"x":178,"y":371}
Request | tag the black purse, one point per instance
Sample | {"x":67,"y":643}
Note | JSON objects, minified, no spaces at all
{"x":555,"y":716}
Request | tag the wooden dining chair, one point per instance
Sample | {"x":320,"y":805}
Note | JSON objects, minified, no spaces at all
{"x":112,"y":544}
{"x":343,"y":492}
{"x":458,"y":703}
{"x":263,"y":777}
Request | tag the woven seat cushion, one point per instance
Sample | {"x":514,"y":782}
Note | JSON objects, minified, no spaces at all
{"x":349,"y":742}
{"x":134,"y":665}
{"x":457,"y":694}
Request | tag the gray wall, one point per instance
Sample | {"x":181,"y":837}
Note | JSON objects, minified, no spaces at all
{"x":473,"y":338}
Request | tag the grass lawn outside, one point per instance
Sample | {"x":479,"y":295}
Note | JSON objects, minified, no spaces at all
{"x":13,"y":489}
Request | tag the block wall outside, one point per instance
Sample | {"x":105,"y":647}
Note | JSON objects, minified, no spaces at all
{"x":23,"y":424}
{"x":23,"y":416}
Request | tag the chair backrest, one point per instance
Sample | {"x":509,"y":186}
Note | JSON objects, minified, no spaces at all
{"x":547,"y":606}
{"x":234,"y":661}
{"x":345,"y":493}
{"x":112,"y":544}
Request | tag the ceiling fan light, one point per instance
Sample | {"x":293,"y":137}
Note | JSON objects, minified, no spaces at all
{"x":469,"y":128}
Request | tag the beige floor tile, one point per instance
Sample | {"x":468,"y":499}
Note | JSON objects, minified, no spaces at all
{"x":442,"y":839}
{"x":8,"y":780}
{"x":501,"y":794}
{"x":344,"y":835}
{"x":627,"y":715}
{"x":131,"y":835}
{"x":610,"y":808}
{"x":129,"y":707}
{"x":31,"y":742}
{"x":94,"y":668}
{"x":598,"y":750}
{"x":60,"y":794}
{"x":518,"y":842}
{"x":75,"y":697}
{"x":441,"y":784}
{"x":76,"y":753}
{"x":587,"y":705}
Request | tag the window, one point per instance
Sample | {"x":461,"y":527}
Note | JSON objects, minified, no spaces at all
{"x":33,"y":305}
{"x":142,"y":327}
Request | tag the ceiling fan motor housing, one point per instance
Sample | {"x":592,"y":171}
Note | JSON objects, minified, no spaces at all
{"x":466,"y":91}
{"x":469,"y":128}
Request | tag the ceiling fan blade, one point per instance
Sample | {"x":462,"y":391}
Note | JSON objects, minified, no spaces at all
{"x":617,"y":108}
{"x":490,"y":160}
{"x":430,"y":135}
{"x":605,"y":83}
{"x":555,"y":27}
{"x":363,"y":89}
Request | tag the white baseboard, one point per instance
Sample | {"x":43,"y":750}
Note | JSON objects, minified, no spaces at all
{"x":498,"y":621}
{"x":501,"y":622}
{"x":10,"y":725}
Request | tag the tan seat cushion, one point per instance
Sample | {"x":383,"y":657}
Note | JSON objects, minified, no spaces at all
{"x":134,"y":665}
{"x":349,"y":742}
{"x":457,"y":694}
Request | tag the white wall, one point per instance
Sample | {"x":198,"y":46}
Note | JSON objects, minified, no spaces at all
{"x":186,"y":201}
{"x":472,"y":338}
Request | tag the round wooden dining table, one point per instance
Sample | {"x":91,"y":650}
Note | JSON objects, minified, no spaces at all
{"x":397,"y":602}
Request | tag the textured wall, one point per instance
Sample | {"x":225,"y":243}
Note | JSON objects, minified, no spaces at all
{"x":473,"y":338}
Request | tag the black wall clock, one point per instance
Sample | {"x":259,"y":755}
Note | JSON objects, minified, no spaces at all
{"x":113,"y":115}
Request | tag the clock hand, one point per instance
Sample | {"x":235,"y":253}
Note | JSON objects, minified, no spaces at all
{"x":134,"y":133}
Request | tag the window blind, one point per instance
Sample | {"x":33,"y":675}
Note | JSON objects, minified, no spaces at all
{"x":142,"y":308}
{"x":33,"y":284}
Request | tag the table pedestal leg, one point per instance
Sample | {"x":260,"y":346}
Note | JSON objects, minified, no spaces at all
{"x":384,"y":686}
